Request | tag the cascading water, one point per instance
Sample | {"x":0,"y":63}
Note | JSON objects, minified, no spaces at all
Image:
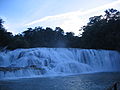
{"x":56,"y":61}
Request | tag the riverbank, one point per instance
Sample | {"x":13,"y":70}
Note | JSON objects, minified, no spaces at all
{"x":93,"y":81}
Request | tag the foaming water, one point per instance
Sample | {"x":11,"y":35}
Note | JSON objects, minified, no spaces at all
{"x":43,"y":62}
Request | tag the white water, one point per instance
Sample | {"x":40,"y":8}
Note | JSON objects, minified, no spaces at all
{"x":56,"y":61}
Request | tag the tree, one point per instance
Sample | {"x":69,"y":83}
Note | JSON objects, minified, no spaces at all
{"x":5,"y":37}
{"x":102,"y":32}
{"x":18,"y":41}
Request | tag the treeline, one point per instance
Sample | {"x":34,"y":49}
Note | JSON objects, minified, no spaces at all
{"x":101,"y":32}
{"x":38,"y":37}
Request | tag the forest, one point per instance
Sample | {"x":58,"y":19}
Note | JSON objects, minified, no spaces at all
{"x":101,"y":32}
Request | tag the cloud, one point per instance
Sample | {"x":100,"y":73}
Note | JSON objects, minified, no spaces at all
{"x":60,"y":16}
{"x":72,"y":21}
{"x":74,"y":14}
{"x":106,"y":6}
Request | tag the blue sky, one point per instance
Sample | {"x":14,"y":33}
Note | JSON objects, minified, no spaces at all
{"x":67,"y":14}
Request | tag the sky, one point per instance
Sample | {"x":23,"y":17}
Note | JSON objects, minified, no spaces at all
{"x":70,"y":15}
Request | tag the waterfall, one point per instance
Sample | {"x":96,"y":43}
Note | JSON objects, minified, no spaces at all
{"x":56,"y":61}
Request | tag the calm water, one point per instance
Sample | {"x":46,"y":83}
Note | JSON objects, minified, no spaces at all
{"x":97,"y":81}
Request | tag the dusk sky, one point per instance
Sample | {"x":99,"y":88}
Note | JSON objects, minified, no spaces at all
{"x":70,"y":15}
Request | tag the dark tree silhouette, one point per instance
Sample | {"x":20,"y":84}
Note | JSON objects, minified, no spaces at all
{"x":101,"y":32}
{"x":5,"y":37}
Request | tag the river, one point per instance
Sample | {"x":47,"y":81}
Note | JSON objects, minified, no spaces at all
{"x":93,"y":81}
